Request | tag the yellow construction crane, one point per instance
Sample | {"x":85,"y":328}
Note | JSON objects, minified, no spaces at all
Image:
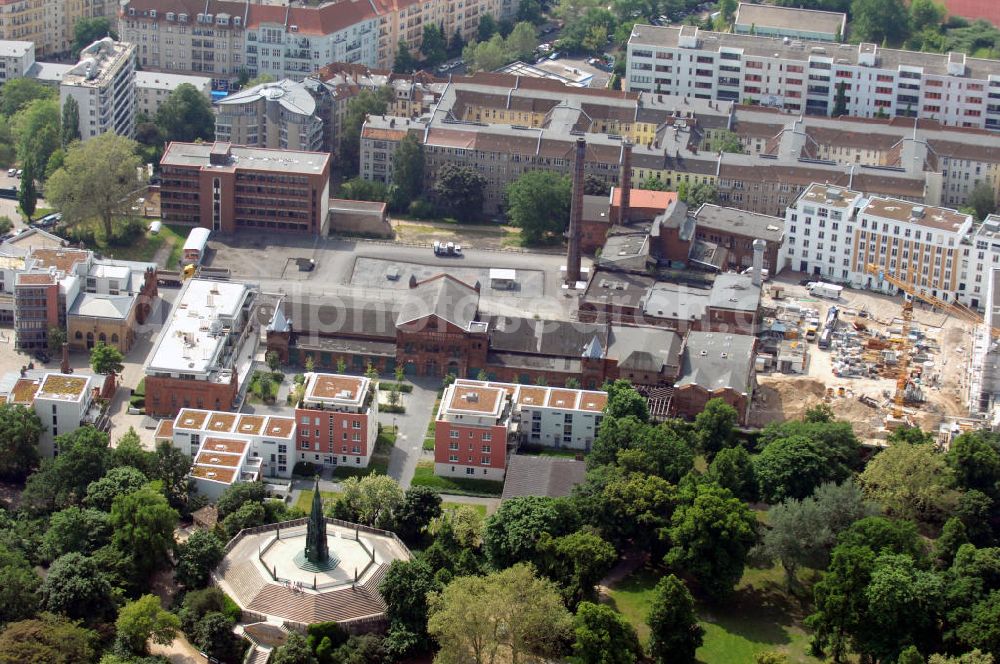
{"x":903,"y":372}
{"x":956,"y":309}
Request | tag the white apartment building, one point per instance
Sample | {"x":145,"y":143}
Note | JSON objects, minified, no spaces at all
{"x":981,"y":265}
{"x":16,"y":58}
{"x":819,"y":237}
{"x":294,"y":42}
{"x":835,"y":233}
{"x":63,"y":402}
{"x":153,"y":88}
{"x":552,"y":416}
{"x":103,"y":85}
{"x":270,"y":439}
{"x":803,"y":77}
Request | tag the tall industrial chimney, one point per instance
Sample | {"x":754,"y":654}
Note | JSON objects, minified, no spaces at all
{"x":625,"y":183}
{"x":758,"y":261}
{"x":576,"y":214}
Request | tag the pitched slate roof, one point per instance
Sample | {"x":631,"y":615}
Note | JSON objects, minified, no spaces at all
{"x":644,"y":348}
{"x":717,"y":361}
{"x":443,"y":296}
{"x":554,"y":477}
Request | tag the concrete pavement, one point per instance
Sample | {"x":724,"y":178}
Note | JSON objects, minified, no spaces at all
{"x":412,"y":428}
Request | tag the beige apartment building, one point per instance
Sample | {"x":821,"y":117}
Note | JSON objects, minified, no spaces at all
{"x":503,"y":125}
{"x":201,"y":37}
{"x":221,"y":38}
{"x":49,"y":23}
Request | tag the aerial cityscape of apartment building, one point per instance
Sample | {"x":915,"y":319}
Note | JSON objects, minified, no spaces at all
{"x":805,"y":77}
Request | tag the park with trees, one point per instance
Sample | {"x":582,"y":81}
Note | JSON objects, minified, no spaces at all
{"x":687,"y":541}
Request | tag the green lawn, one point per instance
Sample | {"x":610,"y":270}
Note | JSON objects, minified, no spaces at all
{"x":144,"y":246}
{"x":759,"y":616}
{"x":535,"y":450}
{"x":424,"y":476}
{"x":454,"y":506}
{"x":305,"y":500}
{"x":429,"y":436}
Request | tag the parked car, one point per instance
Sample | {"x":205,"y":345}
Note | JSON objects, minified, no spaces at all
{"x":42,"y":356}
{"x":11,"y":172}
{"x":19,"y":173}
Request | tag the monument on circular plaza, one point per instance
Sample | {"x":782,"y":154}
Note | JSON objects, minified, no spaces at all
{"x":316,"y":556}
{"x":310,"y":570}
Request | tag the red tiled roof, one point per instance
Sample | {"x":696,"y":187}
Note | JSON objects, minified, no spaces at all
{"x":323,"y":20}
{"x":646,"y":198}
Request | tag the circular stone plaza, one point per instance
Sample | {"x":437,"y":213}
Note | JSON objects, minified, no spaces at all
{"x":310,"y":570}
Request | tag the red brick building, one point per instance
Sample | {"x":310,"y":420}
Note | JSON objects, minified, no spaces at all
{"x":204,"y":354}
{"x":436,"y":329}
{"x":471,"y":432}
{"x":725,"y":234}
{"x":337,"y":420}
{"x":716,"y":365}
{"x":228,"y":188}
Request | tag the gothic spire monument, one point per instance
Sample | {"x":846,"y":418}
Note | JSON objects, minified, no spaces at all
{"x":317,"y":548}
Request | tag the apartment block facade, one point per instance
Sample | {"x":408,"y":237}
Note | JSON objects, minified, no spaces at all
{"x":835,"y":233}
{"x":471,"y":432}
{"x":103,"y":86}
{"x":205,"y":38}
{"x":804,"y":77}
{"x":16,"y":59}
{"x":561,"y":418}
{"x":49,"y":23}
{"x":154,"y":88}
{"x":337,"y":420}
{"x":229,"y":188}
{"x":63,"y":402}
{"x":279,"y":116}
{"x":223,"y":38}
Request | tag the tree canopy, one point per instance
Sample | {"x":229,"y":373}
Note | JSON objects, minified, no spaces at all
{"x":460,"y":191}
{"x":510,"y":614}
{"x":711,"y":534}
{"x":95,"y":180}
{"x":20,"y":430}
{"x":538,"y":203}
{"x":186,"y":115}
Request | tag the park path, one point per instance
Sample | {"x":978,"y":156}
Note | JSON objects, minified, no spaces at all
{"x":630,"y":562}
{"x":178,"y":652}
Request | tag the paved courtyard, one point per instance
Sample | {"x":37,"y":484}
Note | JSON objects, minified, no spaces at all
{"x":244,"y":577}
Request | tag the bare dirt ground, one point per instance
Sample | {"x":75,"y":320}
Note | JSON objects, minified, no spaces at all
{"x":486,"y":236}
{"x":785,"y":396}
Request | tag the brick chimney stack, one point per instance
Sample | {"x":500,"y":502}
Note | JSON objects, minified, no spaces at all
{"x":64,"y":365}
{"x":625,"y":183}
{"x":576,"y":214}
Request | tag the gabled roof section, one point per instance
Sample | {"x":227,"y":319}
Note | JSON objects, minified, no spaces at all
{"x":443,"y":296}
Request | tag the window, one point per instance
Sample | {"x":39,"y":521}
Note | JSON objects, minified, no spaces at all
{"x":485,"y":460}
{"x":453,"y":434}
{"x":487,"y":435}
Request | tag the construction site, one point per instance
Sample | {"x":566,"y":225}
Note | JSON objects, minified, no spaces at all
{"x":877,"y":361}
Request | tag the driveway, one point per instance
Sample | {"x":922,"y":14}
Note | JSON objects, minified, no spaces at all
{"x":412,"y":428}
